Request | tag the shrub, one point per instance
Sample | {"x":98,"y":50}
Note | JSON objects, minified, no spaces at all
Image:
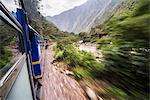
{"x":74,"y":58}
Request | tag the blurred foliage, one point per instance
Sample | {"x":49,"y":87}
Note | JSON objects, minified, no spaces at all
{"x":126,"y":49}
{"x":5,"y":57}
{"x":112,"y":91}
{"x":81,"y":72}
{"x":8,"y":37}
{"x":83,"y":63}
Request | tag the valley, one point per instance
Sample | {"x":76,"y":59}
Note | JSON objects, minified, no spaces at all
{"x":123,"y":64}
{"x":98,"y":50}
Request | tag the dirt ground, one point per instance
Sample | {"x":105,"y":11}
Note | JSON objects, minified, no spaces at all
{"x":57,"y":85}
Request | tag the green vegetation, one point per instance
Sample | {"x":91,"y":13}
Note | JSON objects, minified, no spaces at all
{"x":127,"y":58}
{"x":50,"y":31}
{"x":125,"y":49}
{"x":123,"y":41}
{"x":8,"y":37}
{"x":5,"y":57}
{"x":83,"y":64}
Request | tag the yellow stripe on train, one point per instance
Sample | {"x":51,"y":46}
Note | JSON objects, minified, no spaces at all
{"x":35,"y":63}
{"x":38,"y":76}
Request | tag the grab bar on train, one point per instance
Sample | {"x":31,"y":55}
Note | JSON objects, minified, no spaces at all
{"x":5,"y":14}
{"x":9,"y":78}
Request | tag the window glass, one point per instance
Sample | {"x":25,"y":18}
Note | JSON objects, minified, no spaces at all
{"x":9,"y":52}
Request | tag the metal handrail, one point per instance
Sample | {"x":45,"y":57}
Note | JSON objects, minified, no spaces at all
{"x":31,"y":28}
{"x":5,"y":14}
{"x":6,"y":76}
{"x":9,"y":78}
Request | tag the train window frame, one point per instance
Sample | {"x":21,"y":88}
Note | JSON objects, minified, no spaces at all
{"x":7,"y":18}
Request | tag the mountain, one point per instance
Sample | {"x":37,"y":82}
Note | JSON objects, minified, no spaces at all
{"x":84,"y":17}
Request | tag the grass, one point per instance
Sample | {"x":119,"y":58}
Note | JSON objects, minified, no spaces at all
{"x":83,"y":64}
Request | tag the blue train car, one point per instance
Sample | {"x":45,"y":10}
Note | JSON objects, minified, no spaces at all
{"x":35,"y":57}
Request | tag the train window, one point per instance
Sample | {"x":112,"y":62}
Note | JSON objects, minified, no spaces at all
{"x":9,"y":52}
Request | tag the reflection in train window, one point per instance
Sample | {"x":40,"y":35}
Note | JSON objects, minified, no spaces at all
{"x":9,"y":52}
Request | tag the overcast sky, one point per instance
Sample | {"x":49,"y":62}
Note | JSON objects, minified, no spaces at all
{"x":54,"y":7}
{"x":11,"y":5}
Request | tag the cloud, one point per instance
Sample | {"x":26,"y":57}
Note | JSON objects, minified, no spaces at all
{"x":54,"y":7}
{"x":11,"y":5}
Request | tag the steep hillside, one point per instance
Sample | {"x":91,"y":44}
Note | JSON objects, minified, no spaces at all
{"x":36,"y":20}
{"x":83,"y":17}
{"x":124,"y":43}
